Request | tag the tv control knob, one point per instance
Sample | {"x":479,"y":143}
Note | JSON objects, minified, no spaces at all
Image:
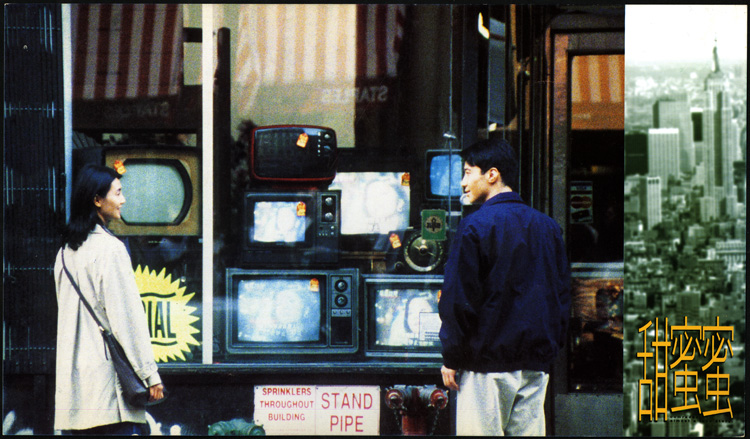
{"x":326,"y":150}
{"x":328,"y":216}
{"x":341,"y":300}
{"x":341,"y":285}
{"x":328,"y":201}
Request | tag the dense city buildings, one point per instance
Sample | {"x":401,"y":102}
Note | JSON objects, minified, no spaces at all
{"x":685,"y":239}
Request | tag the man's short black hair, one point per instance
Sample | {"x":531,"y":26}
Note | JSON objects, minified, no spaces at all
{"x":494,"y":153}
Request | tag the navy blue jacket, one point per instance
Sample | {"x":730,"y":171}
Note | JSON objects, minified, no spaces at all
{"x":506,"y":293}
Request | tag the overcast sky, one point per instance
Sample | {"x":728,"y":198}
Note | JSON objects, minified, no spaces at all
{"x":685,"y":32}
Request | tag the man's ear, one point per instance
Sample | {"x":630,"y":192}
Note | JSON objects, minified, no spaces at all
{"x":97,"y":201}
{"x":493,"y":175}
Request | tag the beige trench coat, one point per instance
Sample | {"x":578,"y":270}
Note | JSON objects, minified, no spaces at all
{"x":87,"y":392}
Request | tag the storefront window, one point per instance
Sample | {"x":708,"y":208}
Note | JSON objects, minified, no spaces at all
{"x":133,"y":110}
{"x":377,"y":78}
{"x":595,"y":222}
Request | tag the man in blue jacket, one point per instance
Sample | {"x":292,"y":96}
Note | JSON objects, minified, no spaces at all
{"x":505,"y":301}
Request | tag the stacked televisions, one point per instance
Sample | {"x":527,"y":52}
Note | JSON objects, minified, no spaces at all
{"x":287,"y":299}
{"x":286,"y":295}
{"x":401,"y":310}
{"x":401,"y":316}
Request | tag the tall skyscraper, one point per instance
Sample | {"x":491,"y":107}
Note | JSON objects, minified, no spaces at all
{"x":707,"y":209}
{"x":721,"y":135}
{"x":649,"y":194}
{"x":674,"y":112}
{"x":696,"y":115}
{"x":636,"y":153}
{"x":664,"y":153}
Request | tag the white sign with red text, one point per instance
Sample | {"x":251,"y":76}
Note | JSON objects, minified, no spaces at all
{"x":318,"y":410}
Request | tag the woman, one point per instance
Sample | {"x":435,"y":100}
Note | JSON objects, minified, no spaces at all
{"x":88,"y":398}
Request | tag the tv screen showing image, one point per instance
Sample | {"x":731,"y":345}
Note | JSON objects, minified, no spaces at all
{"x":279,"y":221}
{"x":406,"y":317}
{"x":285,"y":310}
{"x":291,"y":315}
{"x":290,"y":229}
{"x":402,"y":315}
{"x":444,"y":171}
{"x":373,"y":202}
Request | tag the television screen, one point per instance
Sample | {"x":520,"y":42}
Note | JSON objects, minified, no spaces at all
{"x":373,"y":202}
{"x":279,"y":310}
{"x":296,"y":228}
{"x":445,"y":171}
{"x":279,"y":221}
{"x":403,"y":314}
{"x":161,"y":185}
{"x":147,"y":205}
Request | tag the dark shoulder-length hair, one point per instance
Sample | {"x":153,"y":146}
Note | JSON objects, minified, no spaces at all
{"x":92,"y":180}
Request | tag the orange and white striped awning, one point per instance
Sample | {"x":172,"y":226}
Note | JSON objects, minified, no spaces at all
{"x":286,"y":44}
{"x":597,"y":92}
{"x":126,"y":50}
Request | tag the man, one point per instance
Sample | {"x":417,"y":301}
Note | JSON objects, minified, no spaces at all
{"x":505,"y":301}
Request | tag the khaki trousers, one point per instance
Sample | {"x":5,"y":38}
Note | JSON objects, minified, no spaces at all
{"x":498,"y":404}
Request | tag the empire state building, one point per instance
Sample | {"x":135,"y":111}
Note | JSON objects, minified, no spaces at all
{"x":721,"y":135}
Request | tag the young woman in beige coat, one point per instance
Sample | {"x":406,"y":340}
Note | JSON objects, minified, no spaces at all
{"x":88,"y":397}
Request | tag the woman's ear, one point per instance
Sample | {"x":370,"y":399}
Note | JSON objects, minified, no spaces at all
{"x":97,"y":201}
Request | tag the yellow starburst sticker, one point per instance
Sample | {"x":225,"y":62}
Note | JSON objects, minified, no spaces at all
{"x":169,"y":316}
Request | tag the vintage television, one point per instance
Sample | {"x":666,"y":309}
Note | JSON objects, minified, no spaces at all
{"x":290,"y":229}
{"x":444,"y":173}
{"x":161,"y":184}
{"x":402,"y":318}
{"x":291,"y":313}
{"x":293,"y":154}
{"x":372,"y":205}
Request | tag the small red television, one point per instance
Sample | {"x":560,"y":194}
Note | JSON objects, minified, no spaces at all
{"x":293,"y":154}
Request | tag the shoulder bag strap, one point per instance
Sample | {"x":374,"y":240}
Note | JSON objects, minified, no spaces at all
{"x":78,"y":290}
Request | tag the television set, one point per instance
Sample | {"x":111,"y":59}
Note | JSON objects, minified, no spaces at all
{"x":402,"y":317}
{"x":372,"y":205}
{"x":444,"y":173}
{"x":161,"y":185}
{"x":283,"y":313}
{"x":296,"y":154}
{"x":290,"y":229}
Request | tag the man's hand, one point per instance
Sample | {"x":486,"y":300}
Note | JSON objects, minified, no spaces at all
{"x":449,"y":378}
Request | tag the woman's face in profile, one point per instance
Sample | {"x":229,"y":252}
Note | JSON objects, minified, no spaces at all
{"x":108,"y":207}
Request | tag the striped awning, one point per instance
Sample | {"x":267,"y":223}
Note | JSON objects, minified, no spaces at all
{"x":597,"y":92}
{"x":126,"y":50}
{"x":285,"y":44}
